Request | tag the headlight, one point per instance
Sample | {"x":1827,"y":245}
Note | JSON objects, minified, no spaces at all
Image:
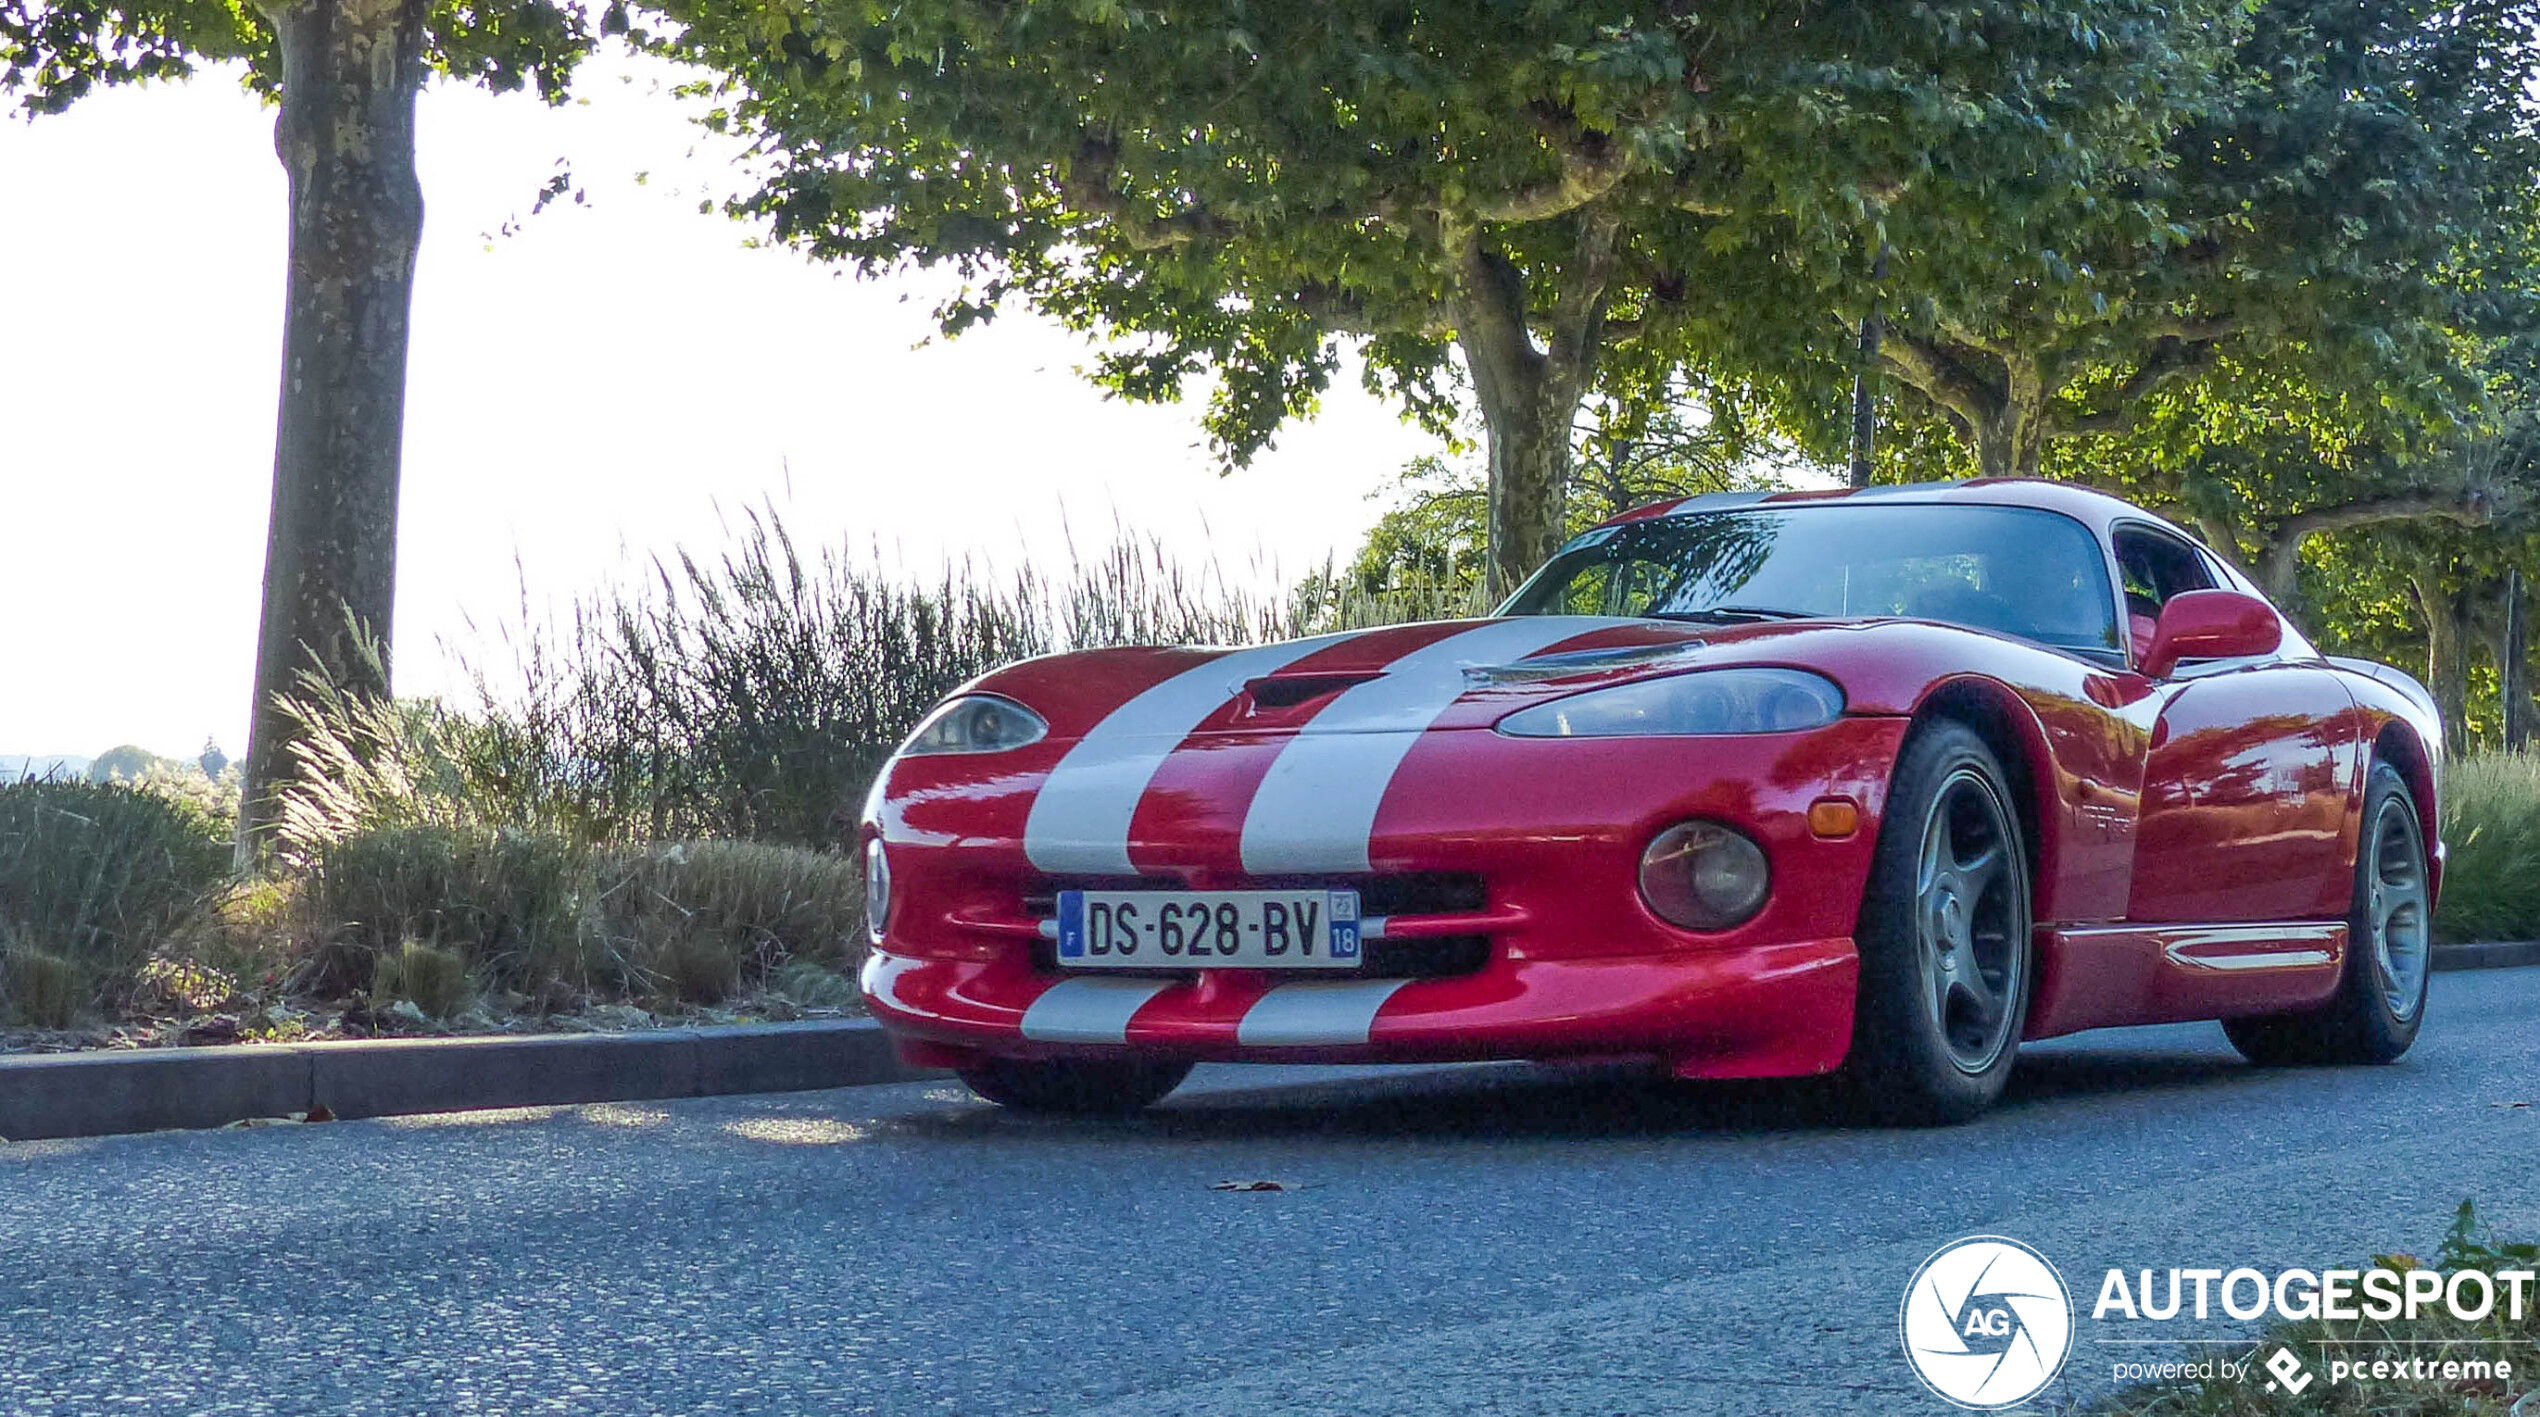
{"x":1704,"y":876}
{"x":877,"y":888}
{"x":1706,"y":701}
{"x":977,"y":723}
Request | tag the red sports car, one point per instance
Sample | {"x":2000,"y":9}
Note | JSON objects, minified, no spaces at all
{"x":1876,"y":783}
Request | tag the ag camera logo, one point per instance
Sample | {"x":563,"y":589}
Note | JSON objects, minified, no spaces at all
{"x":1987,"y":1322}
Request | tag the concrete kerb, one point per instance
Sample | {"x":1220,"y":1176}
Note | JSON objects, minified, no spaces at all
{"x":47,"y":1096}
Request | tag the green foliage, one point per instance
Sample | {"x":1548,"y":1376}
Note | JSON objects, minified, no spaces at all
{"x":123,"y":764}
{"x":510,"y":904}
{"x":39,"y":989}
{"x":93,"y":878}
{"x":2340,"y":227}
{"x":1581,"y":197}
{"x":2491,"y":822}
{"x":1432,"y":544}
{"x":701,"y":920}
{"x":433,"y":980}
{"x":55,"y":52}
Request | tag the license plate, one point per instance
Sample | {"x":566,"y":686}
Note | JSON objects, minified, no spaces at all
{"x":1298,"y":929}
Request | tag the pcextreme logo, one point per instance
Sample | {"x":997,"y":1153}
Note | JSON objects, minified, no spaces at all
{"x":1986,"y":1322}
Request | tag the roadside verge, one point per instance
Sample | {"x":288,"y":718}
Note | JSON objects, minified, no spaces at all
{"x":46,"y":1096}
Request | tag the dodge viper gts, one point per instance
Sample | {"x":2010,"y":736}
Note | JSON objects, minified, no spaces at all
{"x":1874,"y":784}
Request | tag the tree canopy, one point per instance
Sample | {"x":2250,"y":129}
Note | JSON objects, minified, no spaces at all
{"x":1494,"y":198}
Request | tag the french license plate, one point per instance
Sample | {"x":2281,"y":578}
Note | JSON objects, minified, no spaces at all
{"x":1297,"y":929}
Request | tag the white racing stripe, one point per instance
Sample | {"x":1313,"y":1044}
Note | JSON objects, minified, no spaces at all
{"x":1316,"y":808}
{"x":1080,"y":819}
{"x":1311,"y":1015}
{"x":1088,"y":1010}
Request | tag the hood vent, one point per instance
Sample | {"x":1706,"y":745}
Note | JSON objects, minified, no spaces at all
{"x":1284,"y":691}
{"x":1579,"y":661}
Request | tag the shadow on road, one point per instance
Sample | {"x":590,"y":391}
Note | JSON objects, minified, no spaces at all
{"x":1542,"y":1102}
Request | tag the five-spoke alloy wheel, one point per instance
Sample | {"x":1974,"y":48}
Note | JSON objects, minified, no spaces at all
{"x":1944,"y":935}
{"x":2380,"y":998}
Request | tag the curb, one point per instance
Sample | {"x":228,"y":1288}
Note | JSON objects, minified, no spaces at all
{"x":49,"y":1096}
{"x":2509,"y":954}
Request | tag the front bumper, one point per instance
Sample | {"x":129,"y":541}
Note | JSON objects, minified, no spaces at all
{"x":1550,"y":831}
{"x":1770,"y":1010}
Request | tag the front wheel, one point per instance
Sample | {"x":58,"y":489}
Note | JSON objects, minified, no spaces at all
{"x":2380,"y":998}
{"x":1944,"y":937}
{"x":1075,"y":1086}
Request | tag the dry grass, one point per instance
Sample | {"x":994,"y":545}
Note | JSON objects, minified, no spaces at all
{"x":699,"y":921}
{"x":94,"y":878}
{"x":2491,"y":822}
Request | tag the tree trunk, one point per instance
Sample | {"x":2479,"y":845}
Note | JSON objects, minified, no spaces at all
{"x":2446,"y":668}
{"x":350,"y":72}
{"x":1865,"y":417}
{"x":1529,"y":396}
{"x":2011,"y":438}
{"x":1528,"y":427}
{"x":2513,"y":665}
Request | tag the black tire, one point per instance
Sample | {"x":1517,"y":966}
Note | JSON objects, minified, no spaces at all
{"x":2380,"y":1000}
{"x":1080,"y":1087}
{"x":1944,"y":983}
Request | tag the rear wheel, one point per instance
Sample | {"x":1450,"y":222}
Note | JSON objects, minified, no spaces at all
{"x":1944,"y":936}
{"x":2380,"y":997}
{"x":1075,"y":1086}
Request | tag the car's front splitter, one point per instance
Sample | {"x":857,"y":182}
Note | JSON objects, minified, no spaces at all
{"x":1766,"y":1010}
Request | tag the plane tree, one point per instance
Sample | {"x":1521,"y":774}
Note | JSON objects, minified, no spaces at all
{"x":343,"y":76}
{"x":2347,"y":209}
{"x":1487,"y":201}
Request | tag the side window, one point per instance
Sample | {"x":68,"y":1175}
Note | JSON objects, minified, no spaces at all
{"x":2155,"y":567}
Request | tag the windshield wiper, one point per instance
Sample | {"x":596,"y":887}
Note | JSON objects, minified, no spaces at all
{"x":1732,"y":614}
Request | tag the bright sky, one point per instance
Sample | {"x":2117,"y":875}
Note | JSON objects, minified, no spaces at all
{"x":583,"y":394}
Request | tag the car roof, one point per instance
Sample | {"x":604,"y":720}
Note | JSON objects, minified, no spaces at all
{"x":2096,"y":510}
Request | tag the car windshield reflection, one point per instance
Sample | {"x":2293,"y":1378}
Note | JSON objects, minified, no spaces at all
{"x":2021,"y":571}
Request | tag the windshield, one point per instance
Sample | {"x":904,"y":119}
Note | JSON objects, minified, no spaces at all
{"x":2015,"y":570}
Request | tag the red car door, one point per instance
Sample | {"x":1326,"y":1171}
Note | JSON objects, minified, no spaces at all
{"x":2247,"y":806}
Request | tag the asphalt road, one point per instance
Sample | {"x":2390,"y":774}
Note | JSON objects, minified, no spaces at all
{"x":1503,"y":1240}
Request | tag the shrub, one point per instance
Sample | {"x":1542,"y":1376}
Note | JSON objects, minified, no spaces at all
{"x":434,"y":981}
{"x":41,"y":990}
{"x":701,"y":920}
{"x":506,"y":903}
{"x":93,"y":878}
{"x":2491,"y":822}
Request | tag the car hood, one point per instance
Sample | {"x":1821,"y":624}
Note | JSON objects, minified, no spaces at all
{"x":1441,"y":675}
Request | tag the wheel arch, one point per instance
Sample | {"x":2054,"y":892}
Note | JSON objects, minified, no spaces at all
{"x":2398,"y":745}
{"x":2009,"y":727}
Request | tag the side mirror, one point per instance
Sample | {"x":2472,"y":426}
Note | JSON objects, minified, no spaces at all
{"x":2211,"y":624}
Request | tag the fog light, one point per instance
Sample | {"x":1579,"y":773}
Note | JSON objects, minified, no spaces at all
{"x":1704,"y":876}
{"x":877,"y":888}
